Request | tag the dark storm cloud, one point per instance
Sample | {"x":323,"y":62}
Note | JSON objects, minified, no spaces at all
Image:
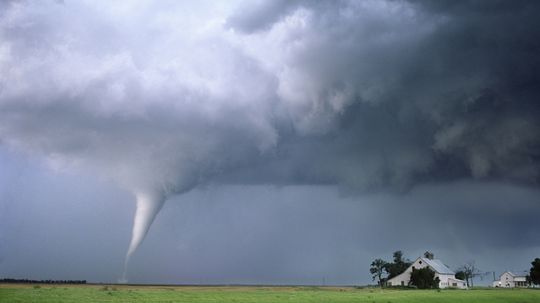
{"x":367,"y":95}
{"x":468,"y":89}
{"x":442,"y":90}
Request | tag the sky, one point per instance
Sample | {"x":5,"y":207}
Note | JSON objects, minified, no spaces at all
{"x":266,"y":142}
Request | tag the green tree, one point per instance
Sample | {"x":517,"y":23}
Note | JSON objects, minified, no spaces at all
{"x":460,"y":274}
{"x":377,"y":270}
{"x":424,"y":278}
{"x":534,"y":274}
{"x":398,"y":266}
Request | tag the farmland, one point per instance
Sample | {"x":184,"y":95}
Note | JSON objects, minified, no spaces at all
{"x":238,"y":294}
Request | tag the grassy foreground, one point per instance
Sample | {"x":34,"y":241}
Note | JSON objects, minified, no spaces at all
{"x":126,"y":293}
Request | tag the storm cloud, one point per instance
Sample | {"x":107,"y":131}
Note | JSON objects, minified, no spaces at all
{"x":369,"y":96}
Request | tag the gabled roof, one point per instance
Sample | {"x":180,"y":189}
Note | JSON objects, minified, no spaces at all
{"x":438,"y":266}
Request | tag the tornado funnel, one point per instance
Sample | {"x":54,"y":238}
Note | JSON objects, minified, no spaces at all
{"x":148,"y":206}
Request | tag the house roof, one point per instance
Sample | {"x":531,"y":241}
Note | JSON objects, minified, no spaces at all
{"x":438,"y":266}
{"x":456,"y":279}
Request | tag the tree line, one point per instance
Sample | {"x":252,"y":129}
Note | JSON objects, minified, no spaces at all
{"x":29,"y":281}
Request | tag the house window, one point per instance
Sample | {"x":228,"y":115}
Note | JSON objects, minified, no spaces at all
{"x":402,"y":283}
{"x":454,"y":284}
{"x":419,"y":262}
{"x":389,"y":283}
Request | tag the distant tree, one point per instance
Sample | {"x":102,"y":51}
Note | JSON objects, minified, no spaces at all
{"x":429,"y":255}
{"x":398,"y":266}
{"x":377,"y":270}
{"x":398,"y":256}
{"x":424,"y":278}
{"x":534,"y":274}
{"x":460,"y":274}
{"x":470,"y":272}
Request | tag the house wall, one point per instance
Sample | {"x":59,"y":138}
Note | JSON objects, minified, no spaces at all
{"x":456,"y":283}
{"x":400,"y":280}
{"x":450,"y":281}
{"x":507,"y":280}
{"x":444,"y":280}
{"x":404,"y":278}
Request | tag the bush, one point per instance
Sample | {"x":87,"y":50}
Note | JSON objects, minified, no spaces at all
{"x":424,"y":278}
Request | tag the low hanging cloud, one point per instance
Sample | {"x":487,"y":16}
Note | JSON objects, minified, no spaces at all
{"x":378,"y":95}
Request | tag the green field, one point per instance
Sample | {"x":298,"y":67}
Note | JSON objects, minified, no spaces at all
{"x":125,"y":293}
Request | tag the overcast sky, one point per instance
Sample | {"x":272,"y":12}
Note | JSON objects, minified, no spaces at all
{"x":272,"y":141}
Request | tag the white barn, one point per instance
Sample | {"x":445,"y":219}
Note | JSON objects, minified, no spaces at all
{"x":446,"y":276}
{"x":511,"y":280}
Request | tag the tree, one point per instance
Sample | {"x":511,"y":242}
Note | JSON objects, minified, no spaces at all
{"x":377,"y":270}
{"x":424,"y":278}
{"x":460,"y":274}
{"x":534,"y":274}
{"x":469,"y":272}
{"x":398,"y":266}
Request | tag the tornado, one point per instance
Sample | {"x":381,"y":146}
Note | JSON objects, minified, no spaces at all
{"x":149,"y":203}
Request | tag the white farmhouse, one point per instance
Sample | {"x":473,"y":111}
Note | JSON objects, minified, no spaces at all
{"x":446,"y":276}
{"x":511,"y":280}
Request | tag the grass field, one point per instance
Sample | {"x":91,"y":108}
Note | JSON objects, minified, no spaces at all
{"x":125,"y":293}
